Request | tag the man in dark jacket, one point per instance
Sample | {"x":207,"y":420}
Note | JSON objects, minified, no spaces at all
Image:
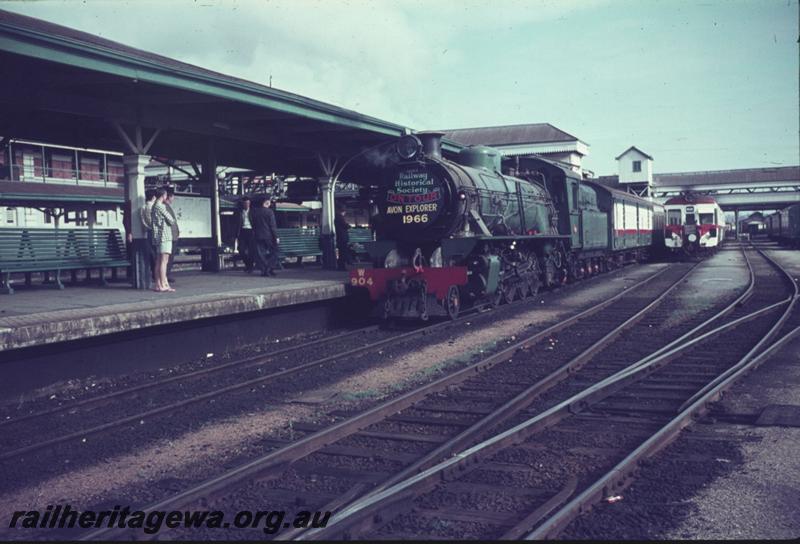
{"x":265,"y":232}
{"x":342,"y":227}
{"x":244,"y":233}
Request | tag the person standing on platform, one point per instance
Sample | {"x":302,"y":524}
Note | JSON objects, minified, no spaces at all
{"x":146,"y":216}
{"x":162,"y":237}
{"x":244,"y":234}
{"x":265,"y":231}
{"x":342,"y":228}
{"x":175,"y":230}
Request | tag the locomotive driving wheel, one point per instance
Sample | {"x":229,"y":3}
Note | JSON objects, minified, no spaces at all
{"x":503,"y":295}
{"x":521,"y":289}
{"x":549,"y":272}
{"x":452,"y":303}
{"x":509,"y":293}
{"x":533,"y":284}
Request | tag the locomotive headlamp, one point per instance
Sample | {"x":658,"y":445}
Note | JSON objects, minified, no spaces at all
{"x":692,"y":237}
{"x":408,"y":147}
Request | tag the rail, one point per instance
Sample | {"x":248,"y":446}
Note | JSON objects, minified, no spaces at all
{"x":279,"y":459}
{"x":355,"y":513}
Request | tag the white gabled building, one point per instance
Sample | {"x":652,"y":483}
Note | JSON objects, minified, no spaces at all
{"x":635,"y":169}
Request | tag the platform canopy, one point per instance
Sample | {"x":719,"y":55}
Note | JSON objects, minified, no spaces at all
{"x":63,"y":86}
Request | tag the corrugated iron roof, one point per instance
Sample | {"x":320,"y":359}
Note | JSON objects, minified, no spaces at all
{"x":717,"y":177}
{"x":533,"y":133}
{"x":722,"y":177}
{"x":51,"y":32}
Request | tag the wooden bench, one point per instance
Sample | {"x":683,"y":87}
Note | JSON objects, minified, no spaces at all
{"x":357,"y":237}
{"x":299,"y":243}
{"x":27,"y":250}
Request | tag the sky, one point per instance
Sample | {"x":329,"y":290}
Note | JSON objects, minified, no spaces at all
{"x":697,"y":84}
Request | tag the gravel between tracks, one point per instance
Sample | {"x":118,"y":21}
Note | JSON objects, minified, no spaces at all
{"x":718,"y":480}
{"x":197,"y":454}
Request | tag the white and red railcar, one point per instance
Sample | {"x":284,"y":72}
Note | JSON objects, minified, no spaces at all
{"x":694,"y":224}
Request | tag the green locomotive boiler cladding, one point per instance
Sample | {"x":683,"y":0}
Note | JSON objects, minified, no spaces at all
{"x":426,"y":201}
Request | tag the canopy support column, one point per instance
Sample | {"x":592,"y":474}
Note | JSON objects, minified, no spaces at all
{"x":134,"y":200}
{"x":736,"y":221}
{"x":327,"y":237}
{"x":212,"y":257}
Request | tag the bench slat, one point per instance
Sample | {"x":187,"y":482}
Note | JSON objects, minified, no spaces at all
{"x":51,"y":250}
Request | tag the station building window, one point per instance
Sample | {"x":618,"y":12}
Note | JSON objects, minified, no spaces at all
{"x":637,"y":166}
{"x":61,"y":166}
{"x":90,"y":169}
{"x":11,"y":216}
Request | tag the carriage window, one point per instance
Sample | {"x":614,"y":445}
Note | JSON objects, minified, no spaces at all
{"x":706,"y":218}
{"x":673,"y":217}
{"x":690,"y":219}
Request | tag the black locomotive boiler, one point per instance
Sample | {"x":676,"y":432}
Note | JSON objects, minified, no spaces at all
{"x":452,"y":233}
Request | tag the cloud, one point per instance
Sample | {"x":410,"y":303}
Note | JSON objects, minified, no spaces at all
{"x":387,"y":59}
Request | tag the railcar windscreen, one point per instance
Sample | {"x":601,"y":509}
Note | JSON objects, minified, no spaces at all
{"x":673,"y":217}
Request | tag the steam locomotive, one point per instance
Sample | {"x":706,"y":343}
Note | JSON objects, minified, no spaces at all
{"x":454,"y":233}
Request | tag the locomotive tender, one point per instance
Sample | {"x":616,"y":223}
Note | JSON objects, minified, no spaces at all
{"x":452,"y":233}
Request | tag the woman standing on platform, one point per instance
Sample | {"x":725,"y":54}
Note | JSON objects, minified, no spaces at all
{"x":162,"y":238}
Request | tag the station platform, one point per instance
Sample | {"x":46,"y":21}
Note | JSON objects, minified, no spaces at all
{"x":41,"y":315}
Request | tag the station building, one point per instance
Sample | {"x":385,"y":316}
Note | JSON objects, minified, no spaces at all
{"x":525,"y":140}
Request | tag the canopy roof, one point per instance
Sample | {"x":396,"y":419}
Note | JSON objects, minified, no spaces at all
{"x":69,"y":87}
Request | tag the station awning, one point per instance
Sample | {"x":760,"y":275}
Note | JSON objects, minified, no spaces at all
{"x":69,"y":87}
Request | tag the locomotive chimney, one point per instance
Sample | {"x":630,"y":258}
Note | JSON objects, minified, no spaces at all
{"x":431,"y":143}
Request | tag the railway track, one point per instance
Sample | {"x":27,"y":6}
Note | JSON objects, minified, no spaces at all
{"x":530,"y":480}
{"x":364,"y":455}
{"x":65,"y":424}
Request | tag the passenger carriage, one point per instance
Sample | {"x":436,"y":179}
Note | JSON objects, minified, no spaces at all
{"x":784,"y":226}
